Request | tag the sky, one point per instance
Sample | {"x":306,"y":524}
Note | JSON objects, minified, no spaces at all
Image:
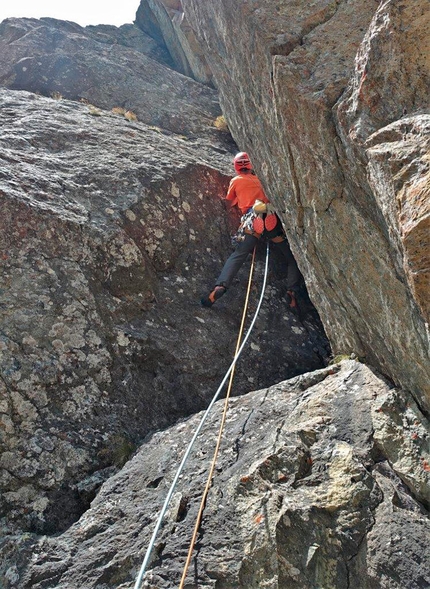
{"x":83,"y":12}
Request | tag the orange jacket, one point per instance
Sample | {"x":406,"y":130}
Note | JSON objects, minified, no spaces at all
{"x":244,"y":190}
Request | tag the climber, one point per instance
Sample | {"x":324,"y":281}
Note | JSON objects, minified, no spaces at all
{"x":258,"y":220}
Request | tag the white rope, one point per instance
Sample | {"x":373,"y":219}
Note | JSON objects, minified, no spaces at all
{"x":196,"y":433}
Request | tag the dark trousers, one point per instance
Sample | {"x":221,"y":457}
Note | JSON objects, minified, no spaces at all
{"x":237,"y":258}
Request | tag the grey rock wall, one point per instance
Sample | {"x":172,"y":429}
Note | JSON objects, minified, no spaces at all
{"x":107,"y":66}
{"x":331,"y":101}
{"x":309,"y":491}
{"x":110,"y":232}
{"x":165,"y":22}
{"x":112,"y":228}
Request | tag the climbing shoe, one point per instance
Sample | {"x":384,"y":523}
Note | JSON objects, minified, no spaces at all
{"x":270,"y":222}
{"x":292,"y":299}
{"x":213,"y":296}
{"x":258,"y":225}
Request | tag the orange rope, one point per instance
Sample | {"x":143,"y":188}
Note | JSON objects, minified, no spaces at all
{"x":221,"y":428}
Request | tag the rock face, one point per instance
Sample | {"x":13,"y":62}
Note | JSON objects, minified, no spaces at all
{"x":112,"y":227}
{"x":166,"y":23}
{"x":110,"y":232}
{"x":310,"y":491}
{"x":108,"y":67}
{"x":338,"y":127}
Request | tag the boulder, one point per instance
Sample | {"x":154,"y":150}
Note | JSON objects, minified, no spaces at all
{"x":108,"y":67}
{"x":337,"y":127}
{"x":110,"y":232}
{"x":305,"y":494}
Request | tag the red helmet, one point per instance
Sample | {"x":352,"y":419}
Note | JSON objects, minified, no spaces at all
{"x":241,"y":161}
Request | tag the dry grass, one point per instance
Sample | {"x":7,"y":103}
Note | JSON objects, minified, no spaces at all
{"x":94,"y":111}
{"x":127,"y":114}
{"x":220,"y":123}
{"x":118,"y":110}
{"x":130,"y":116}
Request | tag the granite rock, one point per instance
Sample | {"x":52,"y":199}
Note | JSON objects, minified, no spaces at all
{"x":110,"y":233}
{"x":108,"y":67}
{"x":111,"y":229}
{"x":302,"y":495}
{"x":166,"y":23}
{"x":330,"y":99}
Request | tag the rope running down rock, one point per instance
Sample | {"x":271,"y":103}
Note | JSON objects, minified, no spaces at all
{"x":143,"y":568}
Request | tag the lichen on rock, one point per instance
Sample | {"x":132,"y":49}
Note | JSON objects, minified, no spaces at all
{"x":113,"y":226}
{"x":298,"y":496}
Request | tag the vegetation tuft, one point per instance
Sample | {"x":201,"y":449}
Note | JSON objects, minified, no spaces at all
{"x":339,"y":357}
{"x":119,"y":451}
{"x":94,"y":111}
{"x":221,"y":124}
{"x":127,"y":114}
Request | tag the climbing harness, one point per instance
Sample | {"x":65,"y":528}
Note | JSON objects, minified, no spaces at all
{"x":221,"y":429}
{"x":259,"y":218}
{"x":246,"y":227}
{"x":199,"y":428}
